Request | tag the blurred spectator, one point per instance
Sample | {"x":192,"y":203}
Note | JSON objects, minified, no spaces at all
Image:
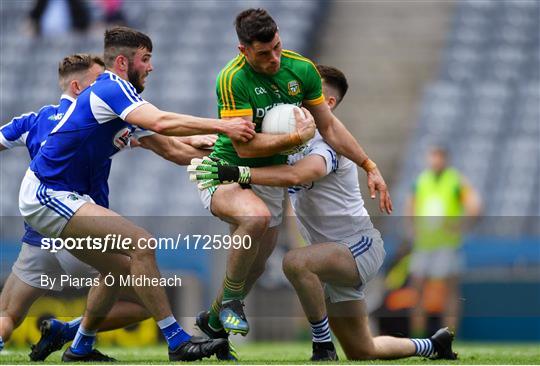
{"x":55,"y":17}
{"x":440,"y":198}
{"x":112,"y":12}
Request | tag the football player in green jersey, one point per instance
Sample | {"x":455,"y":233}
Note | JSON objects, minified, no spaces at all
{"x":261,"y":76}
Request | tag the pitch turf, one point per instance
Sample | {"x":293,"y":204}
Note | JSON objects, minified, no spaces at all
{"x":298,"y":353}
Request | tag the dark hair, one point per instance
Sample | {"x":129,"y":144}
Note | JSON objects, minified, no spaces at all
{"x":77,"y":63}
{"x":255,"y":25}
{"x":335,"y":78}
{"x":124,"y":41}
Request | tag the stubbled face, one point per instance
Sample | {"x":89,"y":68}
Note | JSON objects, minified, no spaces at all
{"x":265,"y":58}
{"x":436,"y":160}
{"x":139,"y":68}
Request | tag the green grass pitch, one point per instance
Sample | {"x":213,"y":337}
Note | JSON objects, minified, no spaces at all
{"x":299,"y":353}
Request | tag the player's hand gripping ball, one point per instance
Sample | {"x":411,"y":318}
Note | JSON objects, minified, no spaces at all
{"x":281,"y":120}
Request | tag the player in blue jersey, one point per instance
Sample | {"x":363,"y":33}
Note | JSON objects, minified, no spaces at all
{"x":23,"y":286}
{"x":55,"y":193}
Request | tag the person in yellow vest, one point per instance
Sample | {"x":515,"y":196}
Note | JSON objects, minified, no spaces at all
{"x":440,"y":200}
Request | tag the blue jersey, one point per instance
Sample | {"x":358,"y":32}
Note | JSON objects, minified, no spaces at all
{"x":31,"y":130}
{"x":78,"y":150}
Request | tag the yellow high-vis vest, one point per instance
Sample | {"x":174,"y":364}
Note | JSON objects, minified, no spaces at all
{"x":437,"y":208}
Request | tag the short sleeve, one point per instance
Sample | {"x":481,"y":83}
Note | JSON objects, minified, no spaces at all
{"x":319,"y":147}
{"x":139,"y":133}
{"x":313,"y":86}
{"x":115,"y":98}
{"x":232,"y":96}
{"x":14,"y":133}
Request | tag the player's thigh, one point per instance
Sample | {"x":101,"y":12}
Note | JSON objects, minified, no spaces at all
{"x":17,"y":297}
{"x":94,"y":221}
{"x":331,"y":262}
{"x":235,"y":204}
{"x":350,"y":324}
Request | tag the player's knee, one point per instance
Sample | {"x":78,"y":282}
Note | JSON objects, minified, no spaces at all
{"x":255,"y":220}
{"x":361,"y":352}
{"x":293,"y":264}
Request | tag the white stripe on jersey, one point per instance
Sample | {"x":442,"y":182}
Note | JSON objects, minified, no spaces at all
{"x":65,"y":118}
{"x":130,"y":97}
{"x":23,"y":138}
{"x":131,"y":89}
{"x":101,"y":111}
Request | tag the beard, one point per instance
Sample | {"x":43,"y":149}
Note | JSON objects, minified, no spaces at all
{"x":134,"y":78}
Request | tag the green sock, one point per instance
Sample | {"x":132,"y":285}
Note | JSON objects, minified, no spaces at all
{"x":213,"y":320}
{"x":233,"y":290}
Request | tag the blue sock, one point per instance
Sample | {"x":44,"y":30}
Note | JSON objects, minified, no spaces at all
{"x":84,"y":341}
{"x":173,"y":332}
{"x":1,"y":344}
{"x":70,"y":329}
{"x":423,"y":346}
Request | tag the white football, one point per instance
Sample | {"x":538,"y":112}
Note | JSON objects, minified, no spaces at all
{"x":280,"y":120}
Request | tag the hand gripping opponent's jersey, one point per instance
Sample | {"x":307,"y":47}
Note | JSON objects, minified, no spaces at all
{"x":241,"y":92}
{"x":78,"y":149}
{"x":330,"y":209}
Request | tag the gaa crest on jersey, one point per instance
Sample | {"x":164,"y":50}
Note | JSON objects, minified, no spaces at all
{"x":122,"y":137}
{"x":293,"y":87}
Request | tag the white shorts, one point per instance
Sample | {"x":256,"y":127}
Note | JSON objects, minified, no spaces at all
{"x":438,"y":263}
{"x":368,"y":251}
{"x":46,"y":210}
{"x":33,"y":262}
{"x":272,"y":196}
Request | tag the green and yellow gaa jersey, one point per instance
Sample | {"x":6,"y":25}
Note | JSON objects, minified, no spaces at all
{"x":243,"y":92}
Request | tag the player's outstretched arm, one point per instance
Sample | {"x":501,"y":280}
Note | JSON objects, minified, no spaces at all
{"x":264,"y":144}
{"x":151,"y":118}
{"x":306,"y":170}
{"x":341,"y":140}
{"x":171,"y":148}
{"x":209,"y":173}
{"x":199,"y":141}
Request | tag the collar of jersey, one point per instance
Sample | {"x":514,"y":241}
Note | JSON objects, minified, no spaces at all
{"x":67,"y":97}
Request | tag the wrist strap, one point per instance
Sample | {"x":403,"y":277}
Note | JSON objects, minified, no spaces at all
{"x":368,"y":165}
{"x":295,"y":139}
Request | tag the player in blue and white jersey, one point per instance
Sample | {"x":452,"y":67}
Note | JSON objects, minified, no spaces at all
{"x":54,"y":197}
{"x":23,"y":286}
{"x":346,"y":251}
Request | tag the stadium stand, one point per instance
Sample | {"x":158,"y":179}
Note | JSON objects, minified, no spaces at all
{"x":192,"y":41}
{"x":484,"y":106}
